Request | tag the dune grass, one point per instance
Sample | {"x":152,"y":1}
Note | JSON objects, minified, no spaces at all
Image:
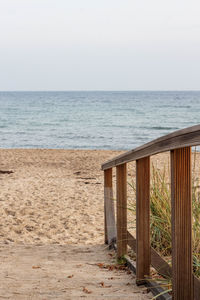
{"x":161,"y":216}
{"x":160,"y":205}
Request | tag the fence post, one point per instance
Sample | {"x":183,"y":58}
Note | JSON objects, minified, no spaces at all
{"x":109,"y":211}
{"x":182,"y":276}
{"x":143,"y":252}
{"x":121,"y":188}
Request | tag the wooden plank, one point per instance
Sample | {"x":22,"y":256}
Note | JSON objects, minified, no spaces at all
{"x":153,"y":285}
{"x":121,"y":189}
{"x":105,"y":224}
{"x":161,"y":266}
{"x":110,"y":225}
{"x":196,"y":288}
{"x":178,"y":139}
{"x":143,"y":219}
{"x":182,"y":277}
{"x":131,"y":240}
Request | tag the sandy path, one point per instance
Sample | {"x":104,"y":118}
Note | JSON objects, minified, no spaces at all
{"x":63,"y":272}
{"x":52,"y":227}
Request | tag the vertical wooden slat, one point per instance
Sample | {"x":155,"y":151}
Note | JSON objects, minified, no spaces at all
{"x":143,"y":252}
{"x":182,"y":279}
{"x":121,"y":188}
{"x":105,"y":222}
{"x":109,"y":211}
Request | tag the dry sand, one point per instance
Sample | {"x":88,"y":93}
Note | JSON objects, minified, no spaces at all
{"x":53,"y":196}
{"x":64,"y":272}
{"x":51,"y":210}
{"x":51,"y":230}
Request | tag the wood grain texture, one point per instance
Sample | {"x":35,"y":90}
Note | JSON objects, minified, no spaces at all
{"x":161,"y":265}
{"x":182,"y":276}
{"x":196,"y":288}
{"x":110,"y":224}
{"x":107,"y":182}
{"x":143,"y":219}
{"x":153,"y":286}
{"x":178,"y":139}
{"x":121,"y":188}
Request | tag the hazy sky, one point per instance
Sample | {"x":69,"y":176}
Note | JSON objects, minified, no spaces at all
{"x":99,"y":44}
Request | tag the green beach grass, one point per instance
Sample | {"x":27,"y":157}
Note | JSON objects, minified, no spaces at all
{"x":160,"y":205}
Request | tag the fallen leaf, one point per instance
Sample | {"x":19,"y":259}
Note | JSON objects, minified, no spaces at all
{"x":36,"y":267}
{"x":121,"y":267}
{"x":87,"y":291}
{"x":100,"y":265}
{"x":104,"y":286}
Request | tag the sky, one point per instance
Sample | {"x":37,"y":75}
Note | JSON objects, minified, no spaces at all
{"x":99,"y":45}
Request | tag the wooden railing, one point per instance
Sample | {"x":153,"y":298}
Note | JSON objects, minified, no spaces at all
{"x":185,"y":285}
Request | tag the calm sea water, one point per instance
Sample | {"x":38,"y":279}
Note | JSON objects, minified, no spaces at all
{"x":93,"y":120}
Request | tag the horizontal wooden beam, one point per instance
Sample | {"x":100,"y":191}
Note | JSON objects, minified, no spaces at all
{"x":153,"y":286}
{"x":157,"y":261}
{"x":178,"y":139}
{"x":161,"y":266}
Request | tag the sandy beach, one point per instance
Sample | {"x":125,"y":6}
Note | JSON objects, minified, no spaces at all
{"x":51,"y":231}
{"x":54,"y":196}
{"x":52,"y":199}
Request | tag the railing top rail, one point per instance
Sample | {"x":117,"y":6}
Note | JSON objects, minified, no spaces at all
{"x":181,"y":138}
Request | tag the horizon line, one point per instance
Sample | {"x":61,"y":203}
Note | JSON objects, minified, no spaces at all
{"x":139,"y":90}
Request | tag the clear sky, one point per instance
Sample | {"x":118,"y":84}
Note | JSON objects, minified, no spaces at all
{"x":99,"y":44}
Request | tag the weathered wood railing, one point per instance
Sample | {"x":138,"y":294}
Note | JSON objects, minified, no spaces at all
{"x":185,"y":285}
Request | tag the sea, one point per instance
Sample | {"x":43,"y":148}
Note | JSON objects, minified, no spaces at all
{"x":118,"y":120}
